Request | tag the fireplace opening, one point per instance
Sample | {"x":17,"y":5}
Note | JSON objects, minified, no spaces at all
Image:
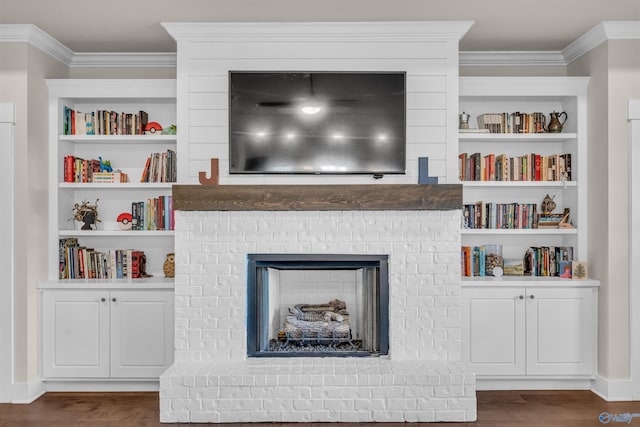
{"x":317,"y":305}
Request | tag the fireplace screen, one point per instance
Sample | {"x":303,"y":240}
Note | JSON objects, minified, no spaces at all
{"x":317,"y":305}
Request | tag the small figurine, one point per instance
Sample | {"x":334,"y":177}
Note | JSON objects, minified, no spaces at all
{"x":86,"y":213}
{"x":171,"y":130}
{"x":548,"y":205}
{"x":105,"y":166}
{"x":169,"y":266}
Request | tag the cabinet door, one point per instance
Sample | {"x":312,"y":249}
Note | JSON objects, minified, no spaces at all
{"x":493,"y":323}
{"x":561,"y":325}
{"x":141,"y":333}
{"x":75,"y":334}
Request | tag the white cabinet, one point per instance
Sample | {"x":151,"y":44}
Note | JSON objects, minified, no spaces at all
{"x":480,"y":95}
{"x":125,"y":152}
{"x":106,"y":333}
{"x":530,"y":331}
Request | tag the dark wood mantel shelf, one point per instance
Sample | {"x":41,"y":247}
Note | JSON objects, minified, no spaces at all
{"x":317,"y":197}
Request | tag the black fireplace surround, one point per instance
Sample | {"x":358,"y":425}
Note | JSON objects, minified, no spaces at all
{"x":374,"y":294}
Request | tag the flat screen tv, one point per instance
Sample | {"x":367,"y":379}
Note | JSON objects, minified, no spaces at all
{"x":317,"y":122}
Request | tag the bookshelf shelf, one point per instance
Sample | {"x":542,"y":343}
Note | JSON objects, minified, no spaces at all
{"x":519,"y":231}
{"x":116,"y":186}
{"x":116,"y":233}
{"x":119,"y":139}
{"x":112,"y":284}
{"x":528,"y":281}
{"x":516,"y":184}
{"x":511,"y":138}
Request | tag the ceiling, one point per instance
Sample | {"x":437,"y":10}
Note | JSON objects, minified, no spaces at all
{"x":134,"y":25}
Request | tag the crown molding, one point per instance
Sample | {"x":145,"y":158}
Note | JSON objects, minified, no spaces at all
{"x":604,"y":31}
{"x":28,"y":33}
{"x":396,"y":31}
{"x":321,"y":31}
{"x":511,"y":59}
{"x":129,"y":59}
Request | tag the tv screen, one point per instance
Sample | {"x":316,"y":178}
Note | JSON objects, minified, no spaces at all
{"x":317,"y":122}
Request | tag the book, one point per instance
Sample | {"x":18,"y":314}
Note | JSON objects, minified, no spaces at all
{"x":64,"y":246}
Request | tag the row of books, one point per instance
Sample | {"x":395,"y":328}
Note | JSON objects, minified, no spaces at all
{"x":103,"y":122}
{"x":513,"y":122}
{"x":541,"y":261}
{"x":77,"y":169}
{"x":480,"y":260}
{"x":160,"y":167}
{"x":500,"y":167}
{"x":545,"y":260}
{"x":500,"y":215}
{"x":79,"y":262}
{"x":153,"y":214}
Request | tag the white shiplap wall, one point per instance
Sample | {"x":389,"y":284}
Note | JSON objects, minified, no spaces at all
{"x":426,"y":51}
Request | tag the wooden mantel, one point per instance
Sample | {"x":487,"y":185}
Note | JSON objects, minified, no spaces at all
{"x":317,"y":197}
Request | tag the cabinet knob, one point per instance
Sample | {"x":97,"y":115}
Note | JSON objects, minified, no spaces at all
{"x":113,"y":299}
{"x":531,"y":297}
{"x":103,"y":299}
{"x":521,"y":297}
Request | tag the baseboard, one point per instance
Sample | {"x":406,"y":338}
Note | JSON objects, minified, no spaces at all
{"x":485,"y":384}
{"x":28,"y":392}
{"x":613,"y":390}
{"x":102,"y":385}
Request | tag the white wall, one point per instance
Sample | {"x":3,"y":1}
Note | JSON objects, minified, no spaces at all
{"x":614,"y":68}
{"x":22,"y":74}
{"x":7,"y":123}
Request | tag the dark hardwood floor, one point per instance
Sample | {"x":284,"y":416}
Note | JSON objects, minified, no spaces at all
{"x":495,"y":408}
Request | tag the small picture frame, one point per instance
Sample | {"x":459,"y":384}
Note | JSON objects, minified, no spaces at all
{"x":579,"y":270}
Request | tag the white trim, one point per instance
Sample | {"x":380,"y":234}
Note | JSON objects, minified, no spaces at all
{"x":132,"y":59}
{"x":321,"y":31}
{"x":318,"y":31}
{"x":613,"y":390}
{"x":633,"y":115}
{"x":75,"y":384}
{"x":512,"y":59}
{"x":604,"y":31}
{"x":7,"y":124}
{"x":484,"y":384}
{"x":33,"y":35}
{"x":28,"y":392}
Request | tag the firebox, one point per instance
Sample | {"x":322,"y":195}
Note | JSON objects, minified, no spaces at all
{"x":317,"y":305}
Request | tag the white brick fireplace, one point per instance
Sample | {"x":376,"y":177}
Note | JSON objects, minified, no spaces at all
{"x":422,"y":378}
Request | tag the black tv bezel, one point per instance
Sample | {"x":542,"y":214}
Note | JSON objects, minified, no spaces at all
{"x":375,"y":174}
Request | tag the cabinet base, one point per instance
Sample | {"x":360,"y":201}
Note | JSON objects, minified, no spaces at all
{"x":527,"y":383}
{"x":88,"y":385}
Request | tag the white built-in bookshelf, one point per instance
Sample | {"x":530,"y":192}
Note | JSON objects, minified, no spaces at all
{"x":485,"y":95}
{"x":107,"y":329}
{"x":519,"y":330}
{"x":127,"y":153}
